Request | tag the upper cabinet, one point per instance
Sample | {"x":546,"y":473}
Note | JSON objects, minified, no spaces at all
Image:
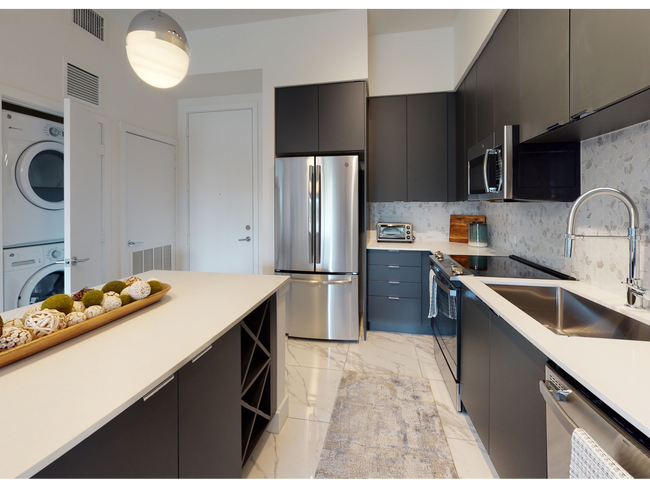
{"x":505,"y":44}
{"x":543,"y":71}
{"x":608,"y":52}
{"x":316,"y":119}
{"x":410,"y":148}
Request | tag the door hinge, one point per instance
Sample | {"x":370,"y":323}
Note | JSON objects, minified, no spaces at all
{"x":103,"y":149}
{"x":103,"y":237}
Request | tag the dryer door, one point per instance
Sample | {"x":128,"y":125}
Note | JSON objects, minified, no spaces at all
{"x":44,"y":283}
{"x":39,"y":174}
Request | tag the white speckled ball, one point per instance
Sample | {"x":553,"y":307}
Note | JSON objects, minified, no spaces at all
{"x":111,"y":294}
{"x":94,"y":311}
{"x":74,"y":318}
{"x":125,"y":291}
{"x":140,"y":290}
{"x":131,"y":279}
{"x":14,"y":336}
{"x":78,"y":307}
{"x":111,"y":302}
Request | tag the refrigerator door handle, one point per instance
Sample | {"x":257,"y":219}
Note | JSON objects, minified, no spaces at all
{"x":310,"y":214}
{"x":324,"y":282}
{"x":319,"y":204}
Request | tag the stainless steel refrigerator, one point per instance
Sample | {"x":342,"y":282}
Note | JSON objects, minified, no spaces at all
{"x":317,"y":244}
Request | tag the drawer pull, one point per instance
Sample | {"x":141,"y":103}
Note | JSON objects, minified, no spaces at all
{"x":202,"y":353}
{"x":393,"y":250}
{"x":393,"y":298}
{"x":157,"y":388}
{"x":394,"y":267}
{"x":393,"y":282}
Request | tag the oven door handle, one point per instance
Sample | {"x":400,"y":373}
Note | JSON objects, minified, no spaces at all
{"x":448,"y":291}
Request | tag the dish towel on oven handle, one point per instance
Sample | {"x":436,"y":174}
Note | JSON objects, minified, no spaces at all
{"x":589,"y":461}
{"x":433,"y":292}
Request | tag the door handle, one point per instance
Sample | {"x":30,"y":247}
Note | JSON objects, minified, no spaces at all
{"x":319,"y":205}
{"x":247,"y":239}
{"x":310,"y":214}
{"x":74,"y":260}
{"x":131,"y":243}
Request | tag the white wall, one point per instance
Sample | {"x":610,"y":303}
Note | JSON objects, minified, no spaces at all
{"x":33,"y":44}
{"x":411,"y":62}
{"x":296,"y":51}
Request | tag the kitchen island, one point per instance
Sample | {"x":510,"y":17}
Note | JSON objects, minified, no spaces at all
{"x":612,"y":369}
{"x":55,"y":399}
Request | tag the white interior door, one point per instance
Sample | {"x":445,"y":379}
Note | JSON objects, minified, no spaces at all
{"x":220,"y":160}
{"x":150,"y":203}
{"x":83,"y":197}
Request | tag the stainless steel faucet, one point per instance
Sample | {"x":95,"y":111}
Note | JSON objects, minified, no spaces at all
{"x":634,"y":290}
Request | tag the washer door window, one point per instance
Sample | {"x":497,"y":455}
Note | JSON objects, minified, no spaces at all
{"x":44,"y":283}
{"x":39,"y":174}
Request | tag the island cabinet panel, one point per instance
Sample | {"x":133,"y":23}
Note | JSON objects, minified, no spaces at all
{"x":517,"y":410}
{"x":141,"y":442}
{"x":209,"y":432}
{"x":475,"y":362}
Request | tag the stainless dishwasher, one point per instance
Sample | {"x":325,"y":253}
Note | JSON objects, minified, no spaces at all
{"x":569,"y":406}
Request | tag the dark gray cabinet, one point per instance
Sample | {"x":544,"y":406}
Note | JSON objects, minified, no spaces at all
{"x":408,"y":147}
{"x":316,"y":119}
{"x":505,"y":42}
{"x":141,"y":442}
{"x":458,"y":192}
{"x":209,"y":412}
{"x":398,"y":291}
{"x":500,"y":373}
{"x":543,"y":71}
{"x":485,"y":92}
{"x":471,"y":133}
{"x":608,"y":49}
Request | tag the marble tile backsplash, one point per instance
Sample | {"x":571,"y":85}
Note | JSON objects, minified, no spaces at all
{"x":536,"y":231}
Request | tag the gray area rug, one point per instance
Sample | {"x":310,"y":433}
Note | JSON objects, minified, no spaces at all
{"x":384,"y":426}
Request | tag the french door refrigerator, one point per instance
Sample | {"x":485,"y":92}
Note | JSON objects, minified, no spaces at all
{"x":317,"y":244}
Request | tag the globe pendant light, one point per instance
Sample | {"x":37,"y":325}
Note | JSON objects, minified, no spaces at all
{"x":157,"y":49}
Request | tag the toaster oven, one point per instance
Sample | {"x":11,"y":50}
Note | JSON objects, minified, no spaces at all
{"x":395,"y":232}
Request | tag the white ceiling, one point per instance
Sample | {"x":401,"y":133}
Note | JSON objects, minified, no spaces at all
{"x":380,"y":21}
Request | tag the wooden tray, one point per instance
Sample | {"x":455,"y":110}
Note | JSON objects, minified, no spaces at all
{"x":37,"y":345}
{"x":458,"y":226}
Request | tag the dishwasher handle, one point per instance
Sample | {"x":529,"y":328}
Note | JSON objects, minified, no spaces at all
{"x":554,"y":405}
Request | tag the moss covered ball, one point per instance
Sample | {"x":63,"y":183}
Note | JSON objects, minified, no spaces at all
{"x":126,"y":299}
{"x":93,"y":297}
{"x":155,"y":285}
{"x":62,"y":303}
{"x":116,"y":286}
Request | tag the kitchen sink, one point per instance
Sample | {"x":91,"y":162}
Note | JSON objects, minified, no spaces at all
{"x":567,"y":314}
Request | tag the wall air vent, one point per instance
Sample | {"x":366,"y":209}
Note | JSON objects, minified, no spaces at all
{"x":90,"y":21}
{"x":154,"y":258}
{"x":81,"y":84}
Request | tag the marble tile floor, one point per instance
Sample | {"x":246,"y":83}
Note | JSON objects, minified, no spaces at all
{"x":313,"y":372}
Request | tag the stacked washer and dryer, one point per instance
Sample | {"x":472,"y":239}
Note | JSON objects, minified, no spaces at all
{"x":32,"y":205}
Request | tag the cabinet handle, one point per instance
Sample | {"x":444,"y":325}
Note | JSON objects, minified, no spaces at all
{"x":553,"y":127}
{"x":157,"y":388}
{"x":393,"y":250}
{"x":393,"y":282}
{"x":393,"y":267}
{"x":202,"y":353}
{"x":393,"y":298}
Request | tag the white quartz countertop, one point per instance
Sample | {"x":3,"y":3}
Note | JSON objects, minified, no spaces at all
{"x":617,"y":371}
{"x":445,"y":247}
{"x":53,"y":400}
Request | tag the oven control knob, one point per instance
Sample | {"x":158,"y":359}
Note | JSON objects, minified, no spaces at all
{"x":456,"y":270}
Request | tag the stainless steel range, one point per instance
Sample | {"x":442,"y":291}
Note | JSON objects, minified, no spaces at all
{"x":446,"y":303}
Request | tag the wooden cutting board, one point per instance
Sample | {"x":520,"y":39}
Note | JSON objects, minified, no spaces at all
{"x":458,"y":226}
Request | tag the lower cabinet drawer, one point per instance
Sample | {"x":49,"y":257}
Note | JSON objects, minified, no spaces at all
{"x":394,"y":289}
{"x":411,"y":274}
{"x":402,"y":311}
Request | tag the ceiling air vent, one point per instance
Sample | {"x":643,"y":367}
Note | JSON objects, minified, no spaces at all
{"x":82,"y":84}
{"x":90,"y":21}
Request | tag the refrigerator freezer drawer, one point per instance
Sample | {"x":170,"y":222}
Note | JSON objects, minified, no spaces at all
{"x":323,"y":307}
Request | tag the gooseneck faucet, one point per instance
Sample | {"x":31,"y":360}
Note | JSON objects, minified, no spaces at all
{"x":634,"y":290}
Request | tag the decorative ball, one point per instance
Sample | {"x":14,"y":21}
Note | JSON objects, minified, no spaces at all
{"x":116,"y":286}
{"x":62,"y":303}
{"x":125,"y":291}
{"x":94,"y":311}
{"x":14,"y":336}
{"x":79,"y":295}
{"x":31,"y":310}
{"x":155,"y":285}
{"x":111,"y":302}
{"x":131,"y":279}
{"x":93,"y":297}
{"x":78,"y":307}
{"x":140,"y":290}
{"x":44,"y":322}
{"x":111,"y":294}
{"x":74,"y":318}
{"x":126,"y":299}
{"x":14,"y":323}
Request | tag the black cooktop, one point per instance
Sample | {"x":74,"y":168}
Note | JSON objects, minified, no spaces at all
{"x":506,"y":267}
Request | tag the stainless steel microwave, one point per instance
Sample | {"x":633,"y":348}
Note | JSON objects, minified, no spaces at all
{"x":522,"y":172}
{"x":394,"y":232}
